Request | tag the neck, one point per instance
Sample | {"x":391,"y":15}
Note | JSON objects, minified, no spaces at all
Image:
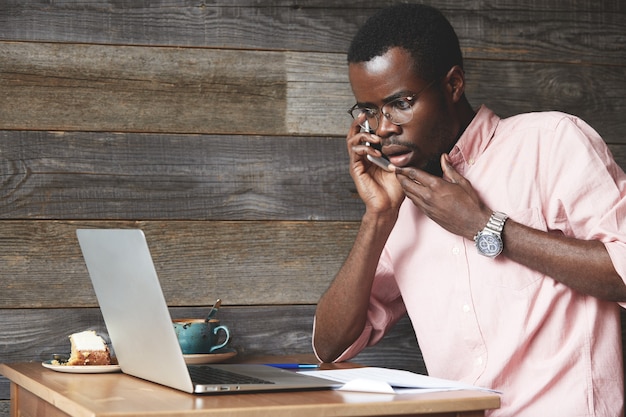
{"x":465,"y":115}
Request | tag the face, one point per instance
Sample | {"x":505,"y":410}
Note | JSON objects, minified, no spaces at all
{"x":434,"y":127}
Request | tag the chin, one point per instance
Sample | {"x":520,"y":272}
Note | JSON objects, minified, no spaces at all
{"x":433,"y":167}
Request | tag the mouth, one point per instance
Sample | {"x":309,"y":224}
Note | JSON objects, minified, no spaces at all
{"x":398,"y":155}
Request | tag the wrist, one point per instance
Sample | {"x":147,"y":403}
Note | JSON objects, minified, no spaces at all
{"x":489,"y":240}
{"x":382,"y":221}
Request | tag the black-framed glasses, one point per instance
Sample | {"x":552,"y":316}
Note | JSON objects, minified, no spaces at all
{"x":398,"y":111}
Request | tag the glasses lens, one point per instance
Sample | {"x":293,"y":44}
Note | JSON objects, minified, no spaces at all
{"x":398,"y":111}
{"x":364,"y":115}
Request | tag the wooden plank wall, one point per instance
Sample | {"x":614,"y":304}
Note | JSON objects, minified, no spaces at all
{"x":217,"y":127}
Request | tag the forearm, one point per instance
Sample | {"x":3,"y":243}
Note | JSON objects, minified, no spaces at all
{"x":582,"y":265}
{"x":342,"y":311}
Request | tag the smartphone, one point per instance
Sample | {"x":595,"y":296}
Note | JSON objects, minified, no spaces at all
{"x":381,"y":161}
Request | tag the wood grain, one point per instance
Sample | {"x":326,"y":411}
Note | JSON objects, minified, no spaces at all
{"x":579,"y":31}
{"x":124,"y":396}
{"x":243,"y":263}
{"x":73,"y":87}
{"x":124,"y":88}
{"x":81,"y":175}
{"x":584,"y":91}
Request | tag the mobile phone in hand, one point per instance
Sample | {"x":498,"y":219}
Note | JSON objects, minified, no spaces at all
{"x":381,"y":161}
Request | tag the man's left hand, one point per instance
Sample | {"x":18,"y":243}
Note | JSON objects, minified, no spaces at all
{"x":450,"y":201}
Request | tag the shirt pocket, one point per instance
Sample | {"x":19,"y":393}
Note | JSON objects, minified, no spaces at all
{"x":510,"y":274}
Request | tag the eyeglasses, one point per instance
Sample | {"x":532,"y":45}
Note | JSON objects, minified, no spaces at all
{"x":398,"y":111}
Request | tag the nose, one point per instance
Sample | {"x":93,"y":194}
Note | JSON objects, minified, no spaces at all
{"x":385,"y":128}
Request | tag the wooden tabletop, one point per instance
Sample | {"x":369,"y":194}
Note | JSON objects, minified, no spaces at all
{"x":121,"y":395}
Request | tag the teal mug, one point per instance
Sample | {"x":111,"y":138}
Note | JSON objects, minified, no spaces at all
{"x":197,"y":336}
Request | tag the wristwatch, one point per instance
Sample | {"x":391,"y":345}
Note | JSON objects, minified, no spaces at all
{"x":489,"y":240}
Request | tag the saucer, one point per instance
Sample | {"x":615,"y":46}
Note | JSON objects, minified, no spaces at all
{"x":80,"y":369}
{"x":219,"y":355}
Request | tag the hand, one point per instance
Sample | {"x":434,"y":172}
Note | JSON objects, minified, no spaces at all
{"x":450,"y":201}
{"x":379,"y":189}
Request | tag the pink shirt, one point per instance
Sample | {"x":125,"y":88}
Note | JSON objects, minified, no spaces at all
{"x":494,"y":323}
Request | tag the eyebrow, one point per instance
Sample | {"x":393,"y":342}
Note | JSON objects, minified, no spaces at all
{"x":399,"y":94}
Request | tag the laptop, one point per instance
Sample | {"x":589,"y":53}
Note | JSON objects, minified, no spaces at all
{"x":140,"y":326}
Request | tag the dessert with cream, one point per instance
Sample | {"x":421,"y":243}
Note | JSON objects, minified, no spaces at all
{"x":88,"y":349}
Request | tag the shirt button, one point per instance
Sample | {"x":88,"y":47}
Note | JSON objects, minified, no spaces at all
{"x":466,"y":308}
{"x":479,"y":361}
{"x":471,"y":161}
{"x":456,"y":250}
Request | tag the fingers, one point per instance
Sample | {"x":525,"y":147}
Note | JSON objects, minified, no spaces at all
{"x":420,"y":177}
{"x":355,"y":128}
{"x":449,"y":173}
{"x":361,"y":151}
{"x":416,"y":176}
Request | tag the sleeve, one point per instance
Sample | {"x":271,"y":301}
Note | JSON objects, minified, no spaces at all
{"x":590,"y":190}
{"x":386,"y":307}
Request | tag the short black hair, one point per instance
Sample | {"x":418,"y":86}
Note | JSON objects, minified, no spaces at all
{"x":421,"y":30}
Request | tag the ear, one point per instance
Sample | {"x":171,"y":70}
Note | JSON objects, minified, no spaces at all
{"x":454,"y":82}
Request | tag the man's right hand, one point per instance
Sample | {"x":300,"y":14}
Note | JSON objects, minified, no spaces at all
{"x":379,"y":189}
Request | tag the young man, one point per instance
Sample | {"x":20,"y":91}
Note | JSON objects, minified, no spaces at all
{"x":503,"y":239}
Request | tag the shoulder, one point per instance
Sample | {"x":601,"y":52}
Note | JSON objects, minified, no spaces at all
{"x":553,"y":126}
{"x":548,"y":120}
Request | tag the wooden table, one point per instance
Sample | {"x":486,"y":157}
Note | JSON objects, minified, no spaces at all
{"x":37,"y":391}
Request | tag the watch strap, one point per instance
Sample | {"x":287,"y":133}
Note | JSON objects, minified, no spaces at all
{"x":496,"y":222}
{"x":489,"y":239}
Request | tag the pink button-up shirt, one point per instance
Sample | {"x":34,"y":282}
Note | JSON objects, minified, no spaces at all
{"x":492,"y":322}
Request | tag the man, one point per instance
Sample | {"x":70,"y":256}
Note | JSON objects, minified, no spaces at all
{"x":538,"y":321}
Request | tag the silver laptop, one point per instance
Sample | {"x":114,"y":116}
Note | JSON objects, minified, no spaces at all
{"x":140,"y":326}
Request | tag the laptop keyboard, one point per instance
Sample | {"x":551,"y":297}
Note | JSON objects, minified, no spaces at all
{"x":207,"y":375}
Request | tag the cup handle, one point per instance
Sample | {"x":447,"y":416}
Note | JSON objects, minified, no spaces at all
{"x":221,"y":345}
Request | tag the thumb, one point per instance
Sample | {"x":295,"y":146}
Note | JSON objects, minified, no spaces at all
{"x":449,"y":173}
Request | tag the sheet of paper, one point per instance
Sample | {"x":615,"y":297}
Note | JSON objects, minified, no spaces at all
{"x":388,"y":381}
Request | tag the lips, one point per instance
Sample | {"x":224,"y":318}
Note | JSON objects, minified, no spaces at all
{"x":398,"y":155}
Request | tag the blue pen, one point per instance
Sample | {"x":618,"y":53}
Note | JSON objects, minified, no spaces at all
{"x":293,"y":365}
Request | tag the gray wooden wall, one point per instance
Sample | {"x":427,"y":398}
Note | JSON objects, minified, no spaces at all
{"x":218,"y":128}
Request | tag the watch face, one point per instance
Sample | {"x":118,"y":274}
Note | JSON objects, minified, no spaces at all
{"x":489,"y":245}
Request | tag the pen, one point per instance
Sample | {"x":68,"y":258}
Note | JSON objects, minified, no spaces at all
{"x":293,"y":365}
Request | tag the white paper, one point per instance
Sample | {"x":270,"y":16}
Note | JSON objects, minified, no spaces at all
{"x":368,"y":385}
{"x":388,"y":381}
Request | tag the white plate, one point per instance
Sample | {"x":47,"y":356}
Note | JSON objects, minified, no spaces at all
{"x":81,"y":369}
{"x":219,"y":356}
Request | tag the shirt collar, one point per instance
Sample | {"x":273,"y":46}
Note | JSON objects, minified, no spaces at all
{"x":474,"y":139}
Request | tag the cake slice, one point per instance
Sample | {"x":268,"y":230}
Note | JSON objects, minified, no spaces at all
{"x":88,"y":349}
